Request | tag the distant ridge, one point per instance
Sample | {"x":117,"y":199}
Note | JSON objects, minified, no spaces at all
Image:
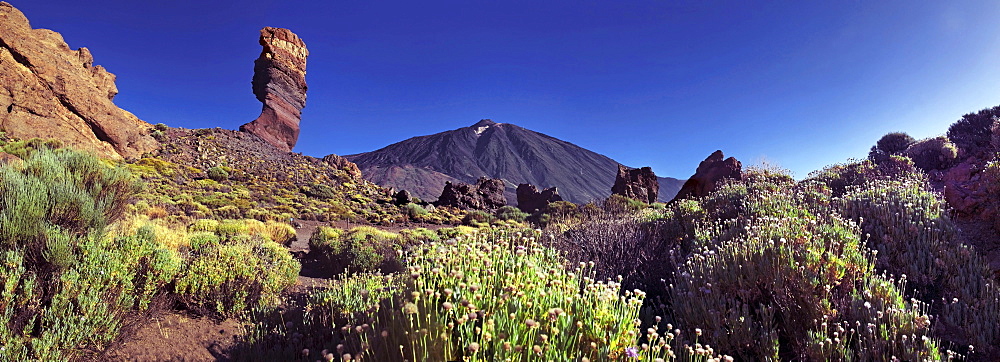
{"x":421,"y":165}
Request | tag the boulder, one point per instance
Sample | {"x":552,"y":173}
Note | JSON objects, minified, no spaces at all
{"x":279,"y":82}
{"x":48,"y":90}
{"x":342,"y":163}
{"x":530,"y":199}
{"x":486,"y":194}
{"x":710,"y":173}
{"x":401,"y":198}
{"x":636,"y":183}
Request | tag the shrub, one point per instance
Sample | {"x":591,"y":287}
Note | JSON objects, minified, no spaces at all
{"x":232,"y":275}
{"x":477,"y":218}
{"x":217,"y":174}
{"x":973,"y":133}
{"x":360,"y":249}
{"x":894,"y":143}
{"x":936,"y":153}
{"x":511,"y":213}
{"x":414,"y":211}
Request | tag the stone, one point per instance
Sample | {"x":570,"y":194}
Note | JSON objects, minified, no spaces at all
{"x":279,"y":82}
{"x":401,"y":198}
{"x":50,"y":91}
{"x":9,"y":159}
{"x":349,"y":167}
{"x":529,"y":199}
{"x":636,"y":183}
{"x":486,"y":194}
{"x":712,"y":171}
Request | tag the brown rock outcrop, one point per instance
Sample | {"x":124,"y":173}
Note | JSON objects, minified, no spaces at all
{"x":279,"y":81}
{"x":530,"y":199}
{"x":342,"y":163}
{"x":636,"y":183}
{"x":486,"y":194}
{"x":48,"y":90}
{"x":710,"y":172}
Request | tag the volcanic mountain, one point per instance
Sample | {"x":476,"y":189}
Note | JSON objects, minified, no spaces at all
{"x":422,"y":165}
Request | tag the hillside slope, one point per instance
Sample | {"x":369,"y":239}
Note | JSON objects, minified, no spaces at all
{"x":423,"y":164}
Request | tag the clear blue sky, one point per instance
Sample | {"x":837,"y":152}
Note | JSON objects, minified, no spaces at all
{"x":802,"y":84}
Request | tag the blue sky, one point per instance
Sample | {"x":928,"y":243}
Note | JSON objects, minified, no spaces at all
{"x":801,"y":84}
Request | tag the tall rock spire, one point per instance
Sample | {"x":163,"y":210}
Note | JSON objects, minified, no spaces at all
{"x":279,"y":81}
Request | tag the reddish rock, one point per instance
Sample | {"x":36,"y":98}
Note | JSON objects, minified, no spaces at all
{"x":636,"y":183}
{"x":48,"y":90}
{"x":530,"y":199}
{"x":9,"y":159}
{"x":710,"y":172}
{"x":486,"y":194}
{"x":279,"y":81}
{"x":342,"y":163}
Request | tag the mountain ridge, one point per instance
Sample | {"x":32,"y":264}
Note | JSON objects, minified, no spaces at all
{"x":422,"y":164}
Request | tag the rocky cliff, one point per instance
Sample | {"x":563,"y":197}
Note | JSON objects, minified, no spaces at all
{"x":279,"y":82}
{"x":48,"y":90}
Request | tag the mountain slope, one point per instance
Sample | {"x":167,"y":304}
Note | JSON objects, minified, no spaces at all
{"x":422,"y":164}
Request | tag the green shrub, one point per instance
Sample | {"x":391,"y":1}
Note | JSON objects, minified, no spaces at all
{"x":973,"y":133}
{"x":217,"y":174}
{"x":935,"y":153}
{"x":511,"y":213}
{"x":894,"y":143}
{"x":360,"y":249}
{"x":414,"y":211}
{"x":234,"y":275}
{"x":477,"y":218}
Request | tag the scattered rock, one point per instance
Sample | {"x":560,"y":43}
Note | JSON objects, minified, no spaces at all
{"x":7,"y":159}
{"x":48,"y":90}
{"x":486,"y":194}
{"x":342,"y":163}
{"x":710,"y":172}
{"x":279,"y":81}
{"x":530,"y":199}
{"x":401,"y":198}
{"x":636,"y":183}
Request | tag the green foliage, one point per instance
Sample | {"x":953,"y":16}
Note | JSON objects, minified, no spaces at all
{"x":974,"y":132}
{"x":414,"y":211}
{"x":935,"y":153}
{"x":511,"y":213}
{"x":360,"y":249}
{"x":232,"y":274}
{"x":477,"y":218}
{"x":894,"y":143}
{"x":620,"y":204}
{"x":218,"y":174}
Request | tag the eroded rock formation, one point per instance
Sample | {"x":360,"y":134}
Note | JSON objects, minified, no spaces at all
{"x":710,"y":172}
{"x":486,"y":194}
{"x":349,"y":167}
{"x":530,"y":199}
{"x":636,"y":183}
{"x":279,"y":81}
{"x":48,"y":90}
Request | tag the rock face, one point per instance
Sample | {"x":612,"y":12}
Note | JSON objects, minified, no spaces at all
{"x":343,"y":164}
{"x":710,"y":172}
{"x":530,"y":199}
{"x":486,"y":194}
{"x":279,"y":81}
{"x":401,"y":198}
{"x":48,"y":90}
{"x":636,"y":183}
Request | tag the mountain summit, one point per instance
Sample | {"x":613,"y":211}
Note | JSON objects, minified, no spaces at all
{"x":422,"y":165}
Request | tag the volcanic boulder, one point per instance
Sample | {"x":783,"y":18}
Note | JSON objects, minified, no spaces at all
{"x":710,"y":172}
{"x":530,"y":199}
{"x":486,"y":194}
{"x":279,"y":81}
{"x":48,"y":90}
{"x":636,"y":183}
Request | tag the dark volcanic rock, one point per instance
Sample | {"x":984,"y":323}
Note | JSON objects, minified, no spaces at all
{"x":636,"y":183}
{"x":529,"y":199}
{"x":710,"y":172}
{"x":279,"y":81}
{"x":505,"y":151}
{"x":401,"y":198}
{"x":48,"y":90}
{"x":486,"y":194}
